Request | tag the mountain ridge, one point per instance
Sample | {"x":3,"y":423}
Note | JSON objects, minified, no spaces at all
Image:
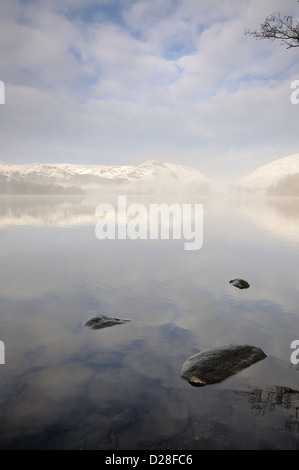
{"x":151,"y":175}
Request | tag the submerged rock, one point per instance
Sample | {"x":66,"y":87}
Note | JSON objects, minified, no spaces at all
{"x":216,"y":364}
{"x":101,"y":321}
{"x":240,"y":283}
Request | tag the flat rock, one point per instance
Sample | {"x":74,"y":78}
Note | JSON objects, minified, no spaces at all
{"x":240,"y":283}
{"x":216,"y":364}
{"x":101,"y":321}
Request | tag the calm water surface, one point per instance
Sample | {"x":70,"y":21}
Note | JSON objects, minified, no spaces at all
{"x":65,"y":386}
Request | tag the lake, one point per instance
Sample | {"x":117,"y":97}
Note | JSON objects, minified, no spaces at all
{"x":66,"y":386}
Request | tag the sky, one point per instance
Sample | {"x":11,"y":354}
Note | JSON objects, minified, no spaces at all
{"x":119,"y":82}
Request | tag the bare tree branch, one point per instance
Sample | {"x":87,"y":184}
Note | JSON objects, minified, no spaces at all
{"x":277,"y":27}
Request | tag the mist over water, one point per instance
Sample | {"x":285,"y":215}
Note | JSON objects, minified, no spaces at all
{"x":65,"y":386}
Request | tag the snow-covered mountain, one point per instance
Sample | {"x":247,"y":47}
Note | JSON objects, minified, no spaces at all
{"x":149,"y":176}
{"x":271,"y":173}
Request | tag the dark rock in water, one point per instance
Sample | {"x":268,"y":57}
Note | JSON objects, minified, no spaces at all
{"x":101,"y":321}
{"x":216,"y":364}
{"x":240,"y":283}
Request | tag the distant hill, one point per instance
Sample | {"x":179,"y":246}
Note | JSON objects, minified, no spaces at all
{"x":151,"y":176}
{"x":272,"y":174}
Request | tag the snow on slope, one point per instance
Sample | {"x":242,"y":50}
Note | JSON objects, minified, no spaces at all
{"x":153,"y":169}
{"x":149,"y":174}
{"x":63,"y":171}
{"x":269,"y":174}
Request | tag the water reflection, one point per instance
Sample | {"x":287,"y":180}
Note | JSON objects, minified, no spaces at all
{"x":267,"y":400}
{"x":44,"y":210}
{"x":65,"y":386}
{"x":279,"y":216}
